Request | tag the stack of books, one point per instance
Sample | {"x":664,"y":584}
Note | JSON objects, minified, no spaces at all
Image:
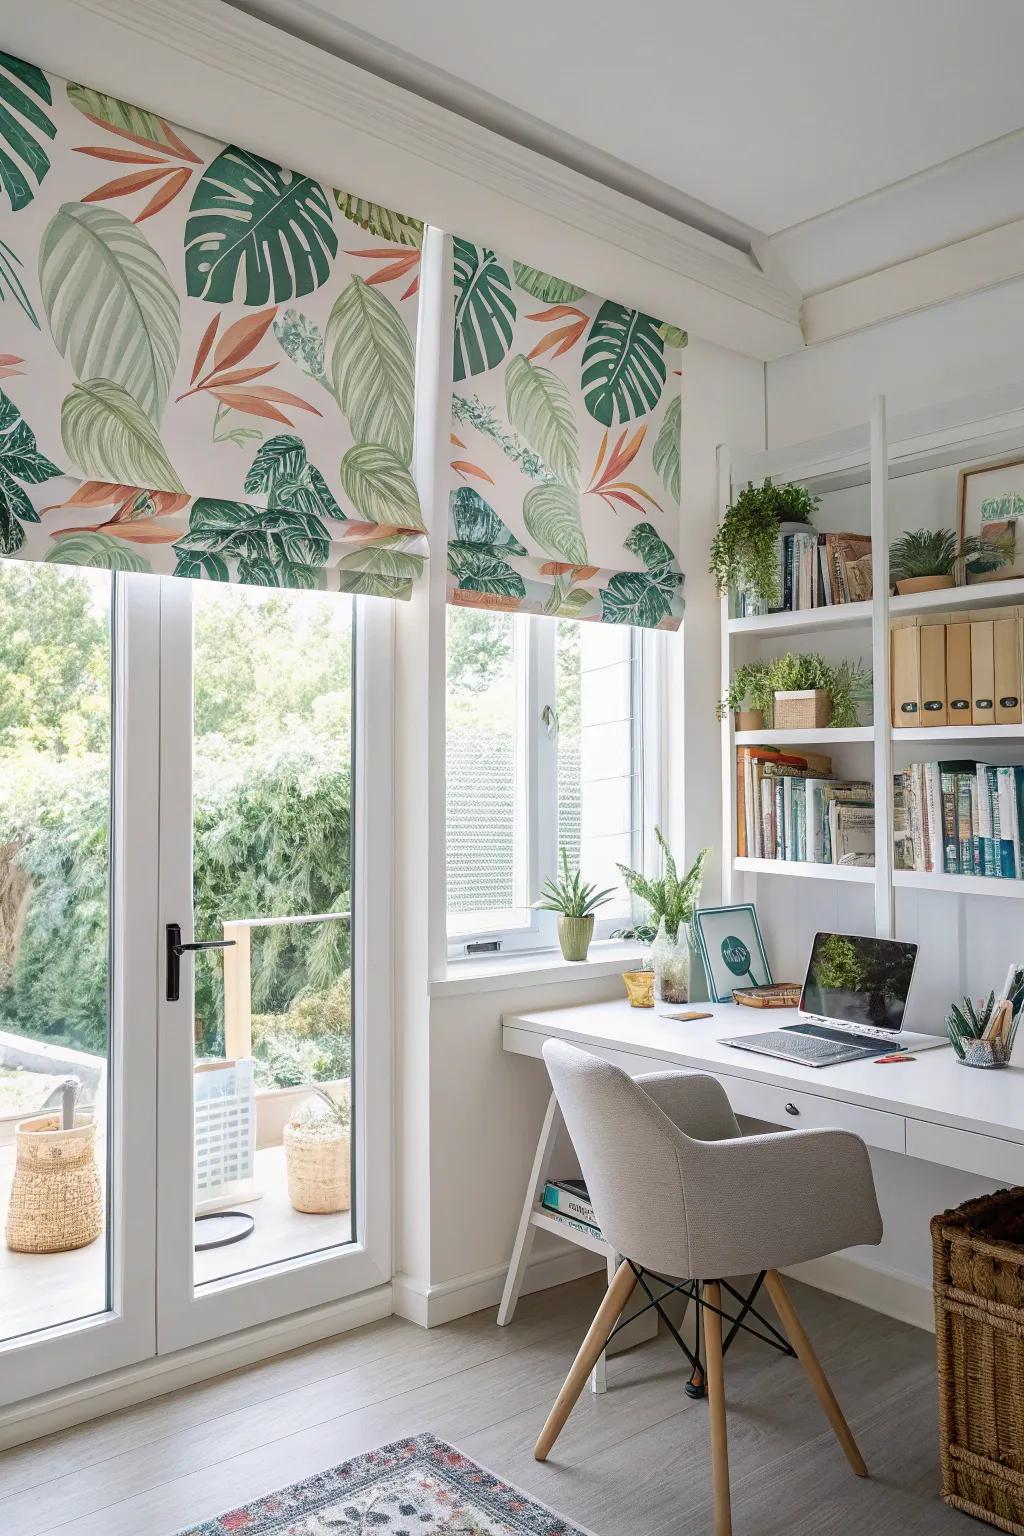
{"x":789,"y":807}
{"x":569,"y":1202}
{"x":817,"y":570}
{"x":960,"y":818}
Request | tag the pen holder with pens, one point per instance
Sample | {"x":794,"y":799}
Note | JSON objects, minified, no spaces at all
{"x":982,"y":1033}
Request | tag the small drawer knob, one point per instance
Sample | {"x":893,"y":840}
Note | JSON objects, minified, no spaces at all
{"x":791,"y":1109}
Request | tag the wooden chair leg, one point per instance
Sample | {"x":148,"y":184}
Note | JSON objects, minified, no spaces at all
{"x":815,"y":1375}
{"x":618,"y":1293}
{"x":716,"y":1408}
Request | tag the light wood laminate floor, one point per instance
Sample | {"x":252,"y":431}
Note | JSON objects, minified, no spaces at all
{"x":631,"y":1463}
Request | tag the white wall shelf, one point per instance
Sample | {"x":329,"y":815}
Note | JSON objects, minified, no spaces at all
{"x":813,"y":739}
{"x":803,"y":620}
{"x":857,"y":873}
{"x":981,"y":594}
{"x":957,"y":885}
{"x":948,"y":734}
{"x":872,"y":457}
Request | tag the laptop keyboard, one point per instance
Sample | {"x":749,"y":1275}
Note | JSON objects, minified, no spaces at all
{"x":809,"y":1047}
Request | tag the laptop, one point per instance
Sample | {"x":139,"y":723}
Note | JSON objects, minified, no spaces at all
{"x":852,"y":1005}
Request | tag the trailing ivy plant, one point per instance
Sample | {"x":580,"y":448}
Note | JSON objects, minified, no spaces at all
{"x":744,"y":551}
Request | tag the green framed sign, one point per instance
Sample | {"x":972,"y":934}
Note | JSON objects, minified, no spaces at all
{"x":731,"y":949}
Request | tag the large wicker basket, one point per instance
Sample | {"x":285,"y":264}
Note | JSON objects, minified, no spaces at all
{"x":319,"y":1170}
{"x":979,"y":1327}
{"x":56,"y":1199}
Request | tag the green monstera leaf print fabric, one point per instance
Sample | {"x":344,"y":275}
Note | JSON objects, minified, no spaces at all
{"x":209,"y":359}
{"x":566,"y":466}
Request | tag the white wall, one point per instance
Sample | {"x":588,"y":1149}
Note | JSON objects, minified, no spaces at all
{"x":936,"y":356}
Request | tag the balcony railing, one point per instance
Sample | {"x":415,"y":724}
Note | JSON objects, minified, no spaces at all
{"x":238,"y":975}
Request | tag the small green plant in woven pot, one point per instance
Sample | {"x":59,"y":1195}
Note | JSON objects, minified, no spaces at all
{"x":575,"y":900}
{"x":666,"y":895}
{"x":744,"y":551}
{"x":933,"y":553}
{"x":847,"y":684}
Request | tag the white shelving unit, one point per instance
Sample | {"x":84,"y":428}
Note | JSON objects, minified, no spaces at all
{"x":985,"y":427}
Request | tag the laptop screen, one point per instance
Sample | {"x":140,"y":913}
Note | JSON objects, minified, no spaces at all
{"x":857,"y":980}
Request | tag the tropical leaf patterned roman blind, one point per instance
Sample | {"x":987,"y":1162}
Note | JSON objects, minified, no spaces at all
{"x":208,"y":361}
{"x":565,"y":467}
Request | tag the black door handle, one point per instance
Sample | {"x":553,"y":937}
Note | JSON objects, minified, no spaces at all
{"x":791,"y":1109}
{"x":175,"y":950}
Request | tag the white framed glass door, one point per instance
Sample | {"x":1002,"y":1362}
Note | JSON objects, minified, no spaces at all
{"x":274,"y":1041}
{"x":79,"y":660}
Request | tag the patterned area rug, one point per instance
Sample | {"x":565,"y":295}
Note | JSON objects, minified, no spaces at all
{"x":417,"y":1485}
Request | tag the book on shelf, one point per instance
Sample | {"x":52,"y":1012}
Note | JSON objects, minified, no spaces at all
{"x":569,"y":1197}
{"x":755,"y":767}
{"x":818,"y":570}
{"x":568,"y":1202}
{"x":962,"y":818}
{"x":789,"y":808}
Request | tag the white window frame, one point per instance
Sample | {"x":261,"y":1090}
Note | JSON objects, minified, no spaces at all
{"x":537,"y":788}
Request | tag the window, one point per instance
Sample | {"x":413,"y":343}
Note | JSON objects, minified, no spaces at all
{"x":552,"y":743}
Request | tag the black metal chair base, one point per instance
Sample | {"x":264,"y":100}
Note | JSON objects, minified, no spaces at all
{"x":693,"y":1290}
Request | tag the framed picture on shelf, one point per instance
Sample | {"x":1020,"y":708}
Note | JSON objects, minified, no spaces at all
{"x":731,"y":949}
{"x":991,"y":507}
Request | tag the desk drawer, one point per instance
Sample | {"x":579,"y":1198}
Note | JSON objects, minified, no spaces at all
{"x":763,"y":1101}
{"x":968,"y":1150}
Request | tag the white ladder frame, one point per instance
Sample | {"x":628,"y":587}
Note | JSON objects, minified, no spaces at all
{"x":534,"y":1219}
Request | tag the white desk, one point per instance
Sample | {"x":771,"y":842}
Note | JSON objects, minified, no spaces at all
{"x":933,"y":1109}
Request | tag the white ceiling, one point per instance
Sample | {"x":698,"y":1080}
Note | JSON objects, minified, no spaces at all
{"x":771,"y":113}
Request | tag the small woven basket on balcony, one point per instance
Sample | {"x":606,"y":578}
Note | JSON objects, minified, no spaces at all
{"x":979,"y":1326}
{"x":56,"y":1199}
{"x":809,"y":709}
{"x":319,"y":1169}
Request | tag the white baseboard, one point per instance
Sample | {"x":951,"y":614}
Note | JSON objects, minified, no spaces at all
{"x":152,"y":1378}
{"x":883,"y":1290}
{"x":431,"y":1305}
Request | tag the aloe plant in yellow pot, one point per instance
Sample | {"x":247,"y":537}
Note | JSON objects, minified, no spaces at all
{"x":575,"y":901}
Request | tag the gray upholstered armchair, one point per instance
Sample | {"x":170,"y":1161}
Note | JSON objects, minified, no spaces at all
{"x":683,"y":1194}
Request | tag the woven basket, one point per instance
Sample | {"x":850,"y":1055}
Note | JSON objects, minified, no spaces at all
{"x":979,"y":1327}
{"x":808,"y":710}
{"x":56,"y":1198}
{"x":319,"y":1170}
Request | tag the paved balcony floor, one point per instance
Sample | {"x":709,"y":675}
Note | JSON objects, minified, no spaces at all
{"x":43,"y":1290}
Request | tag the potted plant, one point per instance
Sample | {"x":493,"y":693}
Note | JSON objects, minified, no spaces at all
{"x":317,"y":1155}
{"x":751,"y":683}
{"x":929,"y":559}
{"x":809,"y":693}
{"x":671,"y":903}
{"x":850,"y":685}
{"x":745,"y":548}
{"x":801,"y":691}
{"x":575,"y":901}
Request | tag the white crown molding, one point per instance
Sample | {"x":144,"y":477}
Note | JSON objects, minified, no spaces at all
{"x":938,"y":277}
{"x":203,"y":62}
{"x":318,"y":22}
{"x":947,"y":203}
